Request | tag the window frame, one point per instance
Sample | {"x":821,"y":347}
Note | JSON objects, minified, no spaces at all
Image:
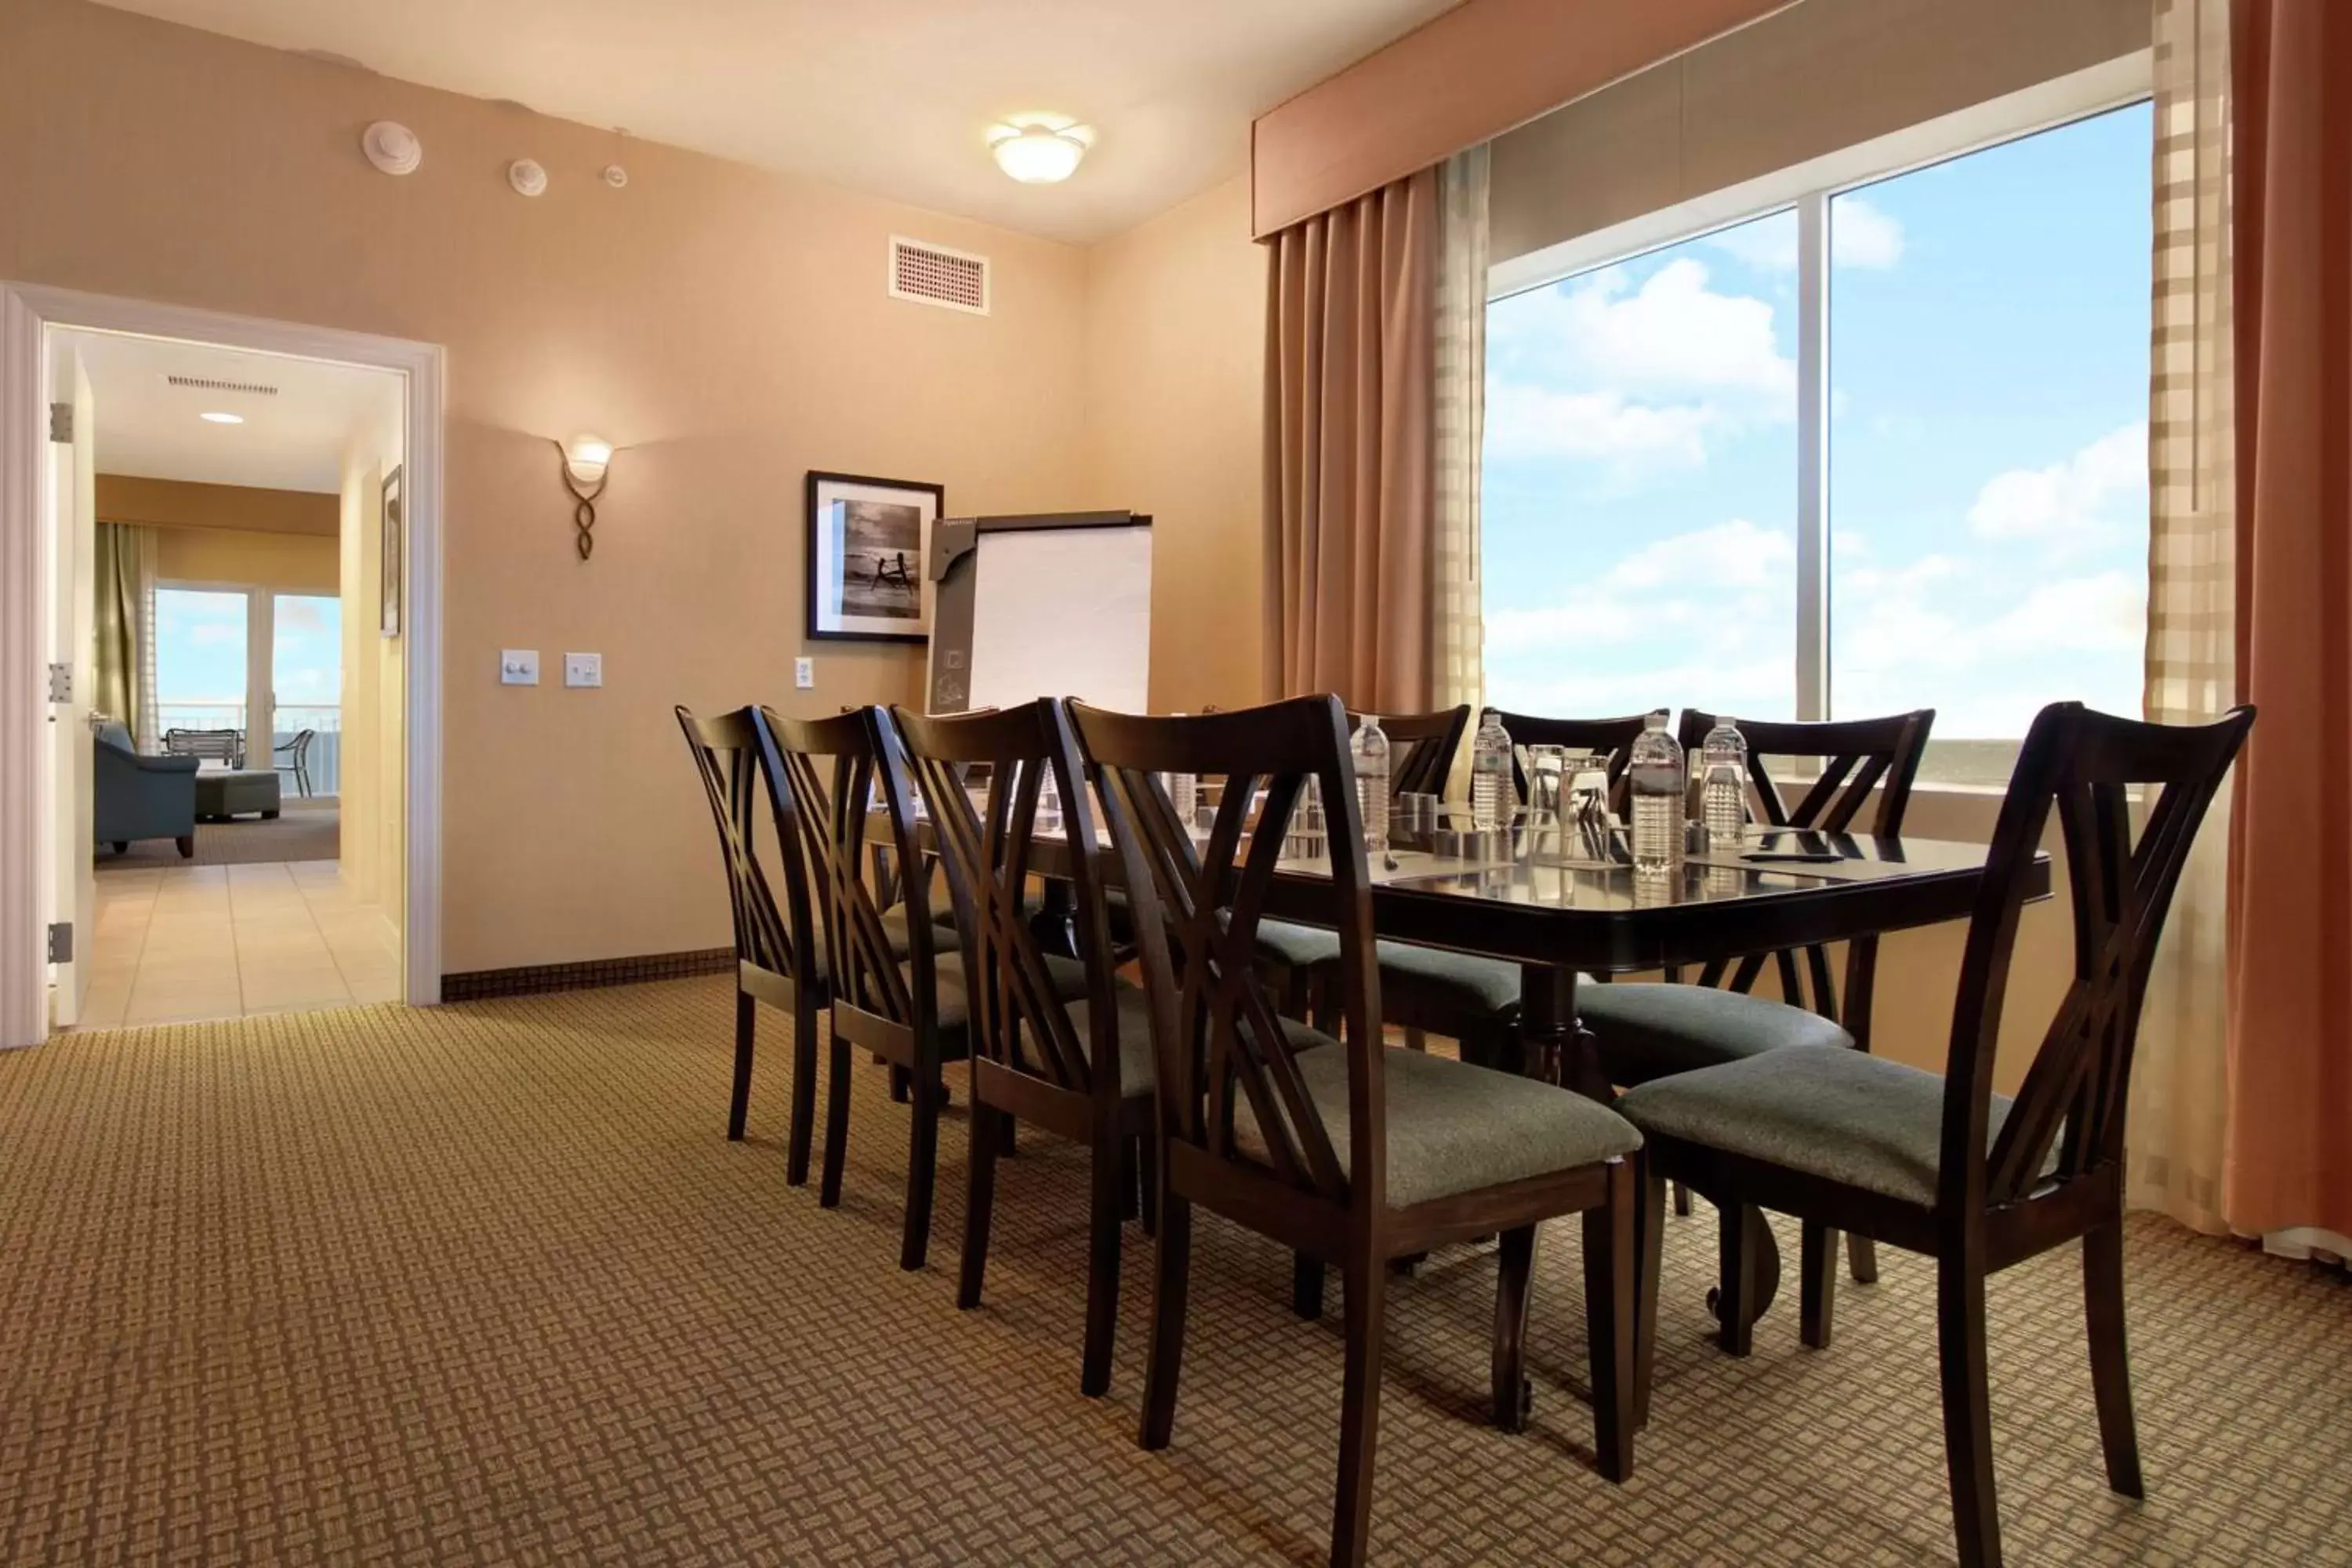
{"x":1807,"y":189}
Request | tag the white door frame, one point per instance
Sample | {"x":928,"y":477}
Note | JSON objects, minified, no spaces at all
{"x":26,"y":311}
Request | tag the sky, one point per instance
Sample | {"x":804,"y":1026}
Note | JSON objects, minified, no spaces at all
{"x":1988,"y":365}
{"x":200,"y":649}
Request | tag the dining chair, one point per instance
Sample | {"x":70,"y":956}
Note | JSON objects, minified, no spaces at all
{"x":297,"y":751}
{"x":1338,"y":1148}
{"x":1944,"y":1166}
{"x":1466,"y":997}
{"x":777,"y":957}
{"x":892,"y":990}
{"x":1821,"y":776}
{"x":1298,"y":958}
{"x":1080,"y":1067}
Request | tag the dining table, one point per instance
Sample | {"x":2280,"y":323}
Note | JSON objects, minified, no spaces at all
{"x":1533,"y":894}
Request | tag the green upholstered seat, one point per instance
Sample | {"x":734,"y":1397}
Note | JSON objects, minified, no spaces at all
{"x":1828,"y":1112}
{"x":1453,"y":1128}
{"x":1650,"y":1029}
{"x":1297,"y":946}
{"x":1480,"y":989}
{"x":1068,"y":974}
{"x":1134,"y":1005}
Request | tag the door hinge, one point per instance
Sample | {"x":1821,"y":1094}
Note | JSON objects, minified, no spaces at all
{"x":61,"y":942}
{"x":61,"y":683}
{"x":61,"y":422}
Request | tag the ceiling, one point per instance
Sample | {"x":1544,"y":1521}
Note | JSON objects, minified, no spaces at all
{"x":892,"y":97}
{"x":148,"y":428}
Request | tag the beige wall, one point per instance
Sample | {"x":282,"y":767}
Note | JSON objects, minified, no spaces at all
{"x":728,"y":328}
{"x":283,"y":562}
{"x":182,"y":503}
{"x":374,"y":740}
{"x":1175,"y":399}
{"x":1813,"y":79}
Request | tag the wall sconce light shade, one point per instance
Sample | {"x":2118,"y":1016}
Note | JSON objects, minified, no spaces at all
{"x":587,"y":460}
{"x":1037,"y":153}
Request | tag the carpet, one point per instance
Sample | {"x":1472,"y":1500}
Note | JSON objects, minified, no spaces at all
{"x":303,"y":830}
{"x":485,"y":1283}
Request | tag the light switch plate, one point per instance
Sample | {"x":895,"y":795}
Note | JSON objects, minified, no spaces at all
{"x":519,"y":667}
{"x":804,"y":674}
{"x":583,"y":670}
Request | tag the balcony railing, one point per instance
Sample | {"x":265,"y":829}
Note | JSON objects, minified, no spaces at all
{"x":324,"y":719}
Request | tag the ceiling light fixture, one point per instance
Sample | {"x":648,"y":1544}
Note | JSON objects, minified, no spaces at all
{"x":1039,"y":150}
{"x":222,"y":418}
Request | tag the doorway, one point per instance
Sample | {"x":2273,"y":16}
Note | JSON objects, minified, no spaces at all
{"x":236,"y":783}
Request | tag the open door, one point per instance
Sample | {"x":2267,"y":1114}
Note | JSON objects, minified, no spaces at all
{"x":72,"y":532}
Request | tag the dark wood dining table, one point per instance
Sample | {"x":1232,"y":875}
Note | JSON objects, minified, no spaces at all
{"x":1526,"y":896}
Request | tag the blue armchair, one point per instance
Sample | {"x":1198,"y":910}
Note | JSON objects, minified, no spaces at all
{"x":141,"y":797}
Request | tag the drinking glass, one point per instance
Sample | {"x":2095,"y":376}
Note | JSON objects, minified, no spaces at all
{"x":1306,"y":836}
{"x":1547,"y":779}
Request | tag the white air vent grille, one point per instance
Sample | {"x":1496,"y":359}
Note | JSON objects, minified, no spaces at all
{"x":935,"y":275}
{"x":202,"y":384}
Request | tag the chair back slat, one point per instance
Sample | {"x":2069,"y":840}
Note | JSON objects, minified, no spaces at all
{"x":1018,"y":1019}
{"x":832,"y":767}
{"x":2084,"y":765}
{"x":1610,"y":738}
{"x":729,"y":759}
{"x":1858,"y":762}
{"x":1218,"y":1041}
{"x":1420,"y":747}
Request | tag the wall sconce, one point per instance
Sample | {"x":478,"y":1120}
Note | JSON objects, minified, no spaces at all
{"x":587,"y":460}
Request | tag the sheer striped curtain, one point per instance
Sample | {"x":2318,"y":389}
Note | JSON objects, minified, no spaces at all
{"x":1457,"y":631}
{"x":2175,"y":1142}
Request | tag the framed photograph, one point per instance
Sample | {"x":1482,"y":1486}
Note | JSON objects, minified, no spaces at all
{"x":395,"y":519}
{"x":867,"y":542}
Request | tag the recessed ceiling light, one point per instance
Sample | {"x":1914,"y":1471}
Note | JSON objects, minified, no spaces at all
{"x":223,"y":418}
{"x":1036,"y":150}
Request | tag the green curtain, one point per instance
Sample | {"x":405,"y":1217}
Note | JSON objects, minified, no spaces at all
{"x":123,"y":558}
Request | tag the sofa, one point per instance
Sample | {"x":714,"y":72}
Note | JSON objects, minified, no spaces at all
{"x":135,"y":797}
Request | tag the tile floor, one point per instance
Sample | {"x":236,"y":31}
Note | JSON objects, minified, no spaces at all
{"x":225,"y":942}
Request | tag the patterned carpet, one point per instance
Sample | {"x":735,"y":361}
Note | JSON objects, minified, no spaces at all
{"x":485,"y":1284}
{"x":303,"y":830}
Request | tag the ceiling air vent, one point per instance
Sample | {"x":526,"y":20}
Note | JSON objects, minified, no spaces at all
{"x":934,"y":275}
{"x":202,"y":384}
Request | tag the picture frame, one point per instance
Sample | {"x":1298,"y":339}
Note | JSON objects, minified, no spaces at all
{"x":870,"y":540}
{"x":395,"y":518}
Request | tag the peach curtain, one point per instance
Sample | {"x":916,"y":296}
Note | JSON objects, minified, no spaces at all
{"x":2290,"y":1147}
{"x":1350,"y":450}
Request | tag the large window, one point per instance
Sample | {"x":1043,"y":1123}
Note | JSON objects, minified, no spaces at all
{"x":200,"y":658}
{"x":1975,"y":540}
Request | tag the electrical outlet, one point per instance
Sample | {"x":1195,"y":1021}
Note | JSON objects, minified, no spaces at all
{"x":583,"y":670}
{"x":804,"y":674}
{"x":519,"y":667}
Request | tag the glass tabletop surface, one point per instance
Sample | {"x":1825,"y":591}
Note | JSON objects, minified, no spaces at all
{"x":1534,"y":866}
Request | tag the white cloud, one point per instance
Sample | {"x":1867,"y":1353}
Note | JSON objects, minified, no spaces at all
{"x":2105,"y":613}
{"x":1720,"y":587}
{"x":1860,"y":236}
{"x":1674,"y":338}
{"x":1528,"y":421}
{"x":1597,"y":370}
{"x":2071,"y":501}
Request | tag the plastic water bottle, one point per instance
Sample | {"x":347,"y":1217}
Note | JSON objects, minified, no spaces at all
{"x":1490,"y":774}
{"x":1369,"y":752}
{"x":1723,"y":783}
{"x":1655,"y":782}
{"x":1184,"y":795}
